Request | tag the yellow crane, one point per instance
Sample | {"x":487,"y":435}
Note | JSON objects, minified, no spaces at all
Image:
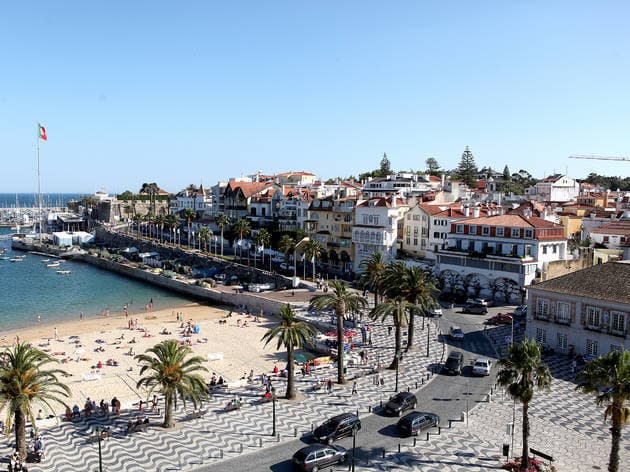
{"x":599,"y":158}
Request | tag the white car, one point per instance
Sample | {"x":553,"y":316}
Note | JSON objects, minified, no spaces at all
{"x":436,"y":311}
{"x":482,"y":366}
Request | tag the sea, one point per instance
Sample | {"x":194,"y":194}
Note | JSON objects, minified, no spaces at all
{"x":30,"y":289}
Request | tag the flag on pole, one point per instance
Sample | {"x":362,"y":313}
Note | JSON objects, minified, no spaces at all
{"x":41,"y":132}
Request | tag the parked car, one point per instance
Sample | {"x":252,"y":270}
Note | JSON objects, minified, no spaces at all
{"x":400,"y":402}
{"x":416,"y":421}
{"x":456,"y":333}
{"x":520,"y":311}
{"x":478,"y":301}
{"x":475,"y":309}
{"x":336,"y":427}
{"x":454,"y":363}
{"x":435,"y":311}
{"x":482,"y":366}
{"x":317,"y":456}
{"x":499,"y":319}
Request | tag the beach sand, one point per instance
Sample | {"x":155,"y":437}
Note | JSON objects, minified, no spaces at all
{"x":240,"y":348}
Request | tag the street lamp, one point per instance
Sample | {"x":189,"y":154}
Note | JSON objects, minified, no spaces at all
{"x":99,"y":435}
{"x":467,"y":395}
{"x":428,"y":336}
{"x":354,"y":443}
{"x":273,"y":402}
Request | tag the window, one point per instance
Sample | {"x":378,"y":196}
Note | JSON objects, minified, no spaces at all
{"x":472,"y":229}
{"x":544,"y":249}
{"x":592,"y":348}
{"x":408,"y":241}
{"x":554,"y":248}
{"x":408,"y":231}
{"x":415,"y":241}
{"x":564,"y":313}
{"x":516,"y":232}
{"x":436,"y":235}
{"x":561,"y":341}
{"x":500,"y":231}
{"x":529,"y":233}
{"x":541,"y":336}
{"x":459,"y":229}
{"x":408,"y":216}
{"x":542,"y":307}
{"x":485,"y":230}
{"x":617,"y":322}
{"x":593,"y":316}
{"x":615,"y":348}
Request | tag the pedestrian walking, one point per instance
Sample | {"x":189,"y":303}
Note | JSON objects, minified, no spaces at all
{"x":354,"y":388}
{"x":329,"y":386}
{"x":573,"y":366}
{"x":389,"y":330}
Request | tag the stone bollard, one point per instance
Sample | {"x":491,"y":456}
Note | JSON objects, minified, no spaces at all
{"x":398,"y":448}
{"x":278,"y":437}
{"x":369,"y":408}
{"x":295,"y":432}
{"x":414,"y":441}
{"x":259,"y":442}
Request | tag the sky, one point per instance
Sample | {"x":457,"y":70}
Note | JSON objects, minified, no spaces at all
{"x":201,"y":91}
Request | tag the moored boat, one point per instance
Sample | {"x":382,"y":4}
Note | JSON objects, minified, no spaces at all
{"x":63,"y":272}
{"x":53,"y":264}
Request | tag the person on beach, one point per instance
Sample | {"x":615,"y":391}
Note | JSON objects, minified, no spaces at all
{"x":81,"y":316}
{"x":154,"y":403}
{"x":56,"y":333}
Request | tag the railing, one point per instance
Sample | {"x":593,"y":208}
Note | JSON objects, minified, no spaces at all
{"x":541,"y":316}
{"x":562,"y":321}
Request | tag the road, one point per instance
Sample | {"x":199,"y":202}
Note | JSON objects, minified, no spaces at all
{"x":447,"y":396}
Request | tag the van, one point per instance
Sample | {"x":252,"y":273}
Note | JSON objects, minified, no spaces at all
{"x":475,"y":308}
{"x":454,"y":363}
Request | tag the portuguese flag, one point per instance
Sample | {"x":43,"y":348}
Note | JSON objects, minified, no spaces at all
{"x":41,"y":132}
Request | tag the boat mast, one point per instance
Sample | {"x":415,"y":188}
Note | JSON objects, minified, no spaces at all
{"x":39,"y":190}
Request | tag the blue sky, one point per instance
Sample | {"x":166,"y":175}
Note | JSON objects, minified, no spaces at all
{"x":190,"y":92}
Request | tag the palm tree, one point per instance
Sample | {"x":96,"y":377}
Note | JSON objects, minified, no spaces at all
{"x":262,"y":238}
{"x":292,"y":334}
{"x":286,"y":245}
{"x":608,"y":378}
{"x":171,"y":221}
{"x":243,"y":228}
{"x":221,"y":221}
{"x":398,"y":309}
{"x":174,"y":373}
{"x":24,"y":378}
{"x":373,"y":273}
{"x":137,"y":219}
{"x":159,"y":221}
{"x":204,"y":235}
{"x":312,"y":250}
{"x":414,"y":285}
{"x":521,"y":371}
{"x":189,"y":214}
{"x":342,"y":301}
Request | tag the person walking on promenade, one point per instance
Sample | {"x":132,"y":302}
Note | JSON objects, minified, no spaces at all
{"x":329,"y":386}
{"x":354,"y":388}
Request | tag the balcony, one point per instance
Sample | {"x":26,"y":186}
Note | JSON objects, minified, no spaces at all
{"x":596,"y":328}
{"x":562,"y":321}
{"x":618,"y":333}
{"x":541,"y":316}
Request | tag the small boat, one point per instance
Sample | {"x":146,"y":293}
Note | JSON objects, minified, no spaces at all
{"x":16,"y":259}
{"x":4,"y":258}
{"x":63,"y":272}
{"x":45,"y":260}
{"x":53,"y":264}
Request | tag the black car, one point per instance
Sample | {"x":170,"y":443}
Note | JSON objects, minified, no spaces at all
{"x":475,"y":309}
{"x":337,"y":427}
{"x":400,"y":402}
{"x":317,"y":456}
{"x":416,"y":421}
{"x":454,"y":363}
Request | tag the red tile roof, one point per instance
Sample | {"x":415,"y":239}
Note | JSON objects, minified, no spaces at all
{"x":621,"y":228}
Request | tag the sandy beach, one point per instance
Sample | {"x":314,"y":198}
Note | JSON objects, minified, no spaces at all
{"x":230,"y":348}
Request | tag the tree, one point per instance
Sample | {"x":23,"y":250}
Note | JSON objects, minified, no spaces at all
{"x":262,"y":238}
{"x":286,"y":246}
{"x":174,"y":373}
{"x":398,"y":309}
{"x":221,"y":221}
{"x":189,"y":214}
{"x":342,"y":301}
{"x":467,"y":169}
{"x":373,"y":276}
{"x":433,"y":168}
{"x":414,"y":285}
{"x":159,"y":221}
{"x":24,"y":379}
{"x":291,"y":334}
{"x":385,"y":168}
{"x":242,"y":227}
{"x":204,"y":235}
{"x":608,"y":378}
{"x":171,"y":221}
{"x":506,"y":173}
{"x":313,"y":250}
{"x":521,"y":371}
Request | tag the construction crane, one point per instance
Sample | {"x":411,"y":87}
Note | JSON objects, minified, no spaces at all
{"x":599,"y":158}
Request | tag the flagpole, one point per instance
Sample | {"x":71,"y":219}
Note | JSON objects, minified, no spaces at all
{"x":39,"y":189}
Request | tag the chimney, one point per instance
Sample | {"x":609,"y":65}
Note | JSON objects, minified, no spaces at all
{"x":475,"y":212}
{"x":466,"y":211}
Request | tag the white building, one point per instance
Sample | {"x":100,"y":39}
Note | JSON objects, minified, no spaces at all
{"x":497,"y":256}
{"x":376,"y":228}
{"x":401,"y":184}
{"x":192,"y":198}
{"x":584,"y":312}
{"x":555,"y":188}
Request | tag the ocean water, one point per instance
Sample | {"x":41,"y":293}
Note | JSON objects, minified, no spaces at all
{"x":29,"y":200}
{"x":29,"y":289}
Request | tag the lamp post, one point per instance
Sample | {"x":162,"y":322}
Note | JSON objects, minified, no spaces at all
{"x":273,"y":402}
{"x":467,"y":395}
{"x":354,"y":443}
{"x":397,"y":366}
{"x":428,"y":336}
{"x":99,"y":434}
